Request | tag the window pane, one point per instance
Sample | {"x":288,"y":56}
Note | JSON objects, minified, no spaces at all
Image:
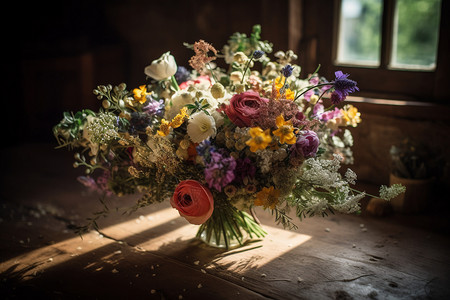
{"x":360,"y":32}
{"x":416,"y":34}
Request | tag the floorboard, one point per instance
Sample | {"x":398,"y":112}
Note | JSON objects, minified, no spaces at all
{"x":153,"y":253}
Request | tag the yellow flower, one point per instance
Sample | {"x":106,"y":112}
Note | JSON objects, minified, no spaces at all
{"x":267,"y":197}
{"x":288,"y":93}
{"x":260,"y":139}
{"x":164,"y":128}
{"x":351,"y":115}
{"x":285,"y":131}
{"x":180,"y":118}
{"x":140,"y":94}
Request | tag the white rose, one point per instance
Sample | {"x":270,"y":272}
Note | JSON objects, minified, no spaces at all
{"x":200,"y":127}
{"x":162,"y":68}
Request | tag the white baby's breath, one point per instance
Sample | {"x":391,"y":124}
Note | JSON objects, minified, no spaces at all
{"x":388,"y":193}
{"x":350,"y":176}
{"x":323,"y":172}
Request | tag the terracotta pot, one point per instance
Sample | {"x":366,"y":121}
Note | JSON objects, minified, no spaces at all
{"x":416,"y":199}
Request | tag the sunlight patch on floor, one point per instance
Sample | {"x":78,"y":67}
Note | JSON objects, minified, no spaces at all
{"x":46,"y":257}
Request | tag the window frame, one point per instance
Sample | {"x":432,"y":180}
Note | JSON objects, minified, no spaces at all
{"x":320,"y":27}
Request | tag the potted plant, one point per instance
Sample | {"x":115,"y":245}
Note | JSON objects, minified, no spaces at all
{"x":412,"y":166}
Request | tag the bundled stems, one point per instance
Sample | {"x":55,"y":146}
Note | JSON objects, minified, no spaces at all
{"x":229,"y":227}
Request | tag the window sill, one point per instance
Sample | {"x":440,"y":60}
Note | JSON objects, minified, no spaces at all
{"x":400,"y":108}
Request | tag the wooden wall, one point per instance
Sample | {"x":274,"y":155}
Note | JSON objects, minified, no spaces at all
{"x":60,"y":52}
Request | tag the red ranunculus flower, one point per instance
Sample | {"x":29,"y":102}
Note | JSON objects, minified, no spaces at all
{"x":193,"y":201}
{"x":244,"y":107}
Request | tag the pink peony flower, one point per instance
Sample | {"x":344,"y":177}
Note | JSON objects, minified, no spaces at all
{"x":244,"y":107}
{"x":193,"y":201}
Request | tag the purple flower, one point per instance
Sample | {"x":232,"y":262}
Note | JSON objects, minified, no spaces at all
{"x":318,"y":110}
{"x":306,"y":145}
{"x":337,"y":97}
{"x":287,"y":71}
{"x":219,"y":171}
{"x":342,"y":87}
{"x":99,"y":186}
{"x":182,"y":74}
{"x":308,"y":95}
{"x":138,"y":122}
{"x":154,"y":107}
{"x":330,"y":115}
{"x":244,"y":169}
{"x":314,"y":80}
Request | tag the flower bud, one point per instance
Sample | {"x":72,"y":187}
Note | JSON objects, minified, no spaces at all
{"x":313,"y":99}
{"x":106,"y":104}
{"x":236,"y":76}
{"x":240,"y":57}
{"x":162,"y":68}
{"x":122,"y":86}
{"x":217,"y":91}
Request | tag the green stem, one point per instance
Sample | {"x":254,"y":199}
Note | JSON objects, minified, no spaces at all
{"x":246,"y":68}
{"x":367,"y":194}
{"x":315,"y":72}
{"x":174,"y":83}
{"x":212,"y":73}
{"x":313,"y":87}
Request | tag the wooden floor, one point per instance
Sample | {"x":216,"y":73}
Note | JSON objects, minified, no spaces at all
{"x":152,"y":254}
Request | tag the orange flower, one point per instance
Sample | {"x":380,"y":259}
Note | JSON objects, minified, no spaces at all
{"x":164,"y":128}
{"x":285,"y":131}
{"x":267,"y":197}
{"x":140,"y":94}
{"x":193,"y":201}
{"x":260,"y":139}
{"x":288,"y":93}
{"x":178,"y":120}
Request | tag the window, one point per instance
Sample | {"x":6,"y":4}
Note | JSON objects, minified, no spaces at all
{"x":395,"y":49}
{"x":411,"y":41}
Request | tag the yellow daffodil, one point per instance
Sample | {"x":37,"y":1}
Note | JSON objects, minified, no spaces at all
{"x":140,"y":94}
{"x":288,"y":93}
{"x":350,"y":115}
{"x":180,"y":118}
{"x":267,"y":197}
{"x":164,"y":128}
{"x":285,"y":131}
{"x":260,"y":139}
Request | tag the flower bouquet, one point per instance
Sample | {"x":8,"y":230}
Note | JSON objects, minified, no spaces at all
{"x":220,"y":139}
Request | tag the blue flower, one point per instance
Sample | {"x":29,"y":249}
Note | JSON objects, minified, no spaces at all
{"x":287,"y":71}
{"x":182,"y":74}
{"x":204,"y":149}
{"x":258,"y":54}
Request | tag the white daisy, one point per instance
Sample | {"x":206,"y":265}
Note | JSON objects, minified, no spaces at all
{"x":201,"y":126}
